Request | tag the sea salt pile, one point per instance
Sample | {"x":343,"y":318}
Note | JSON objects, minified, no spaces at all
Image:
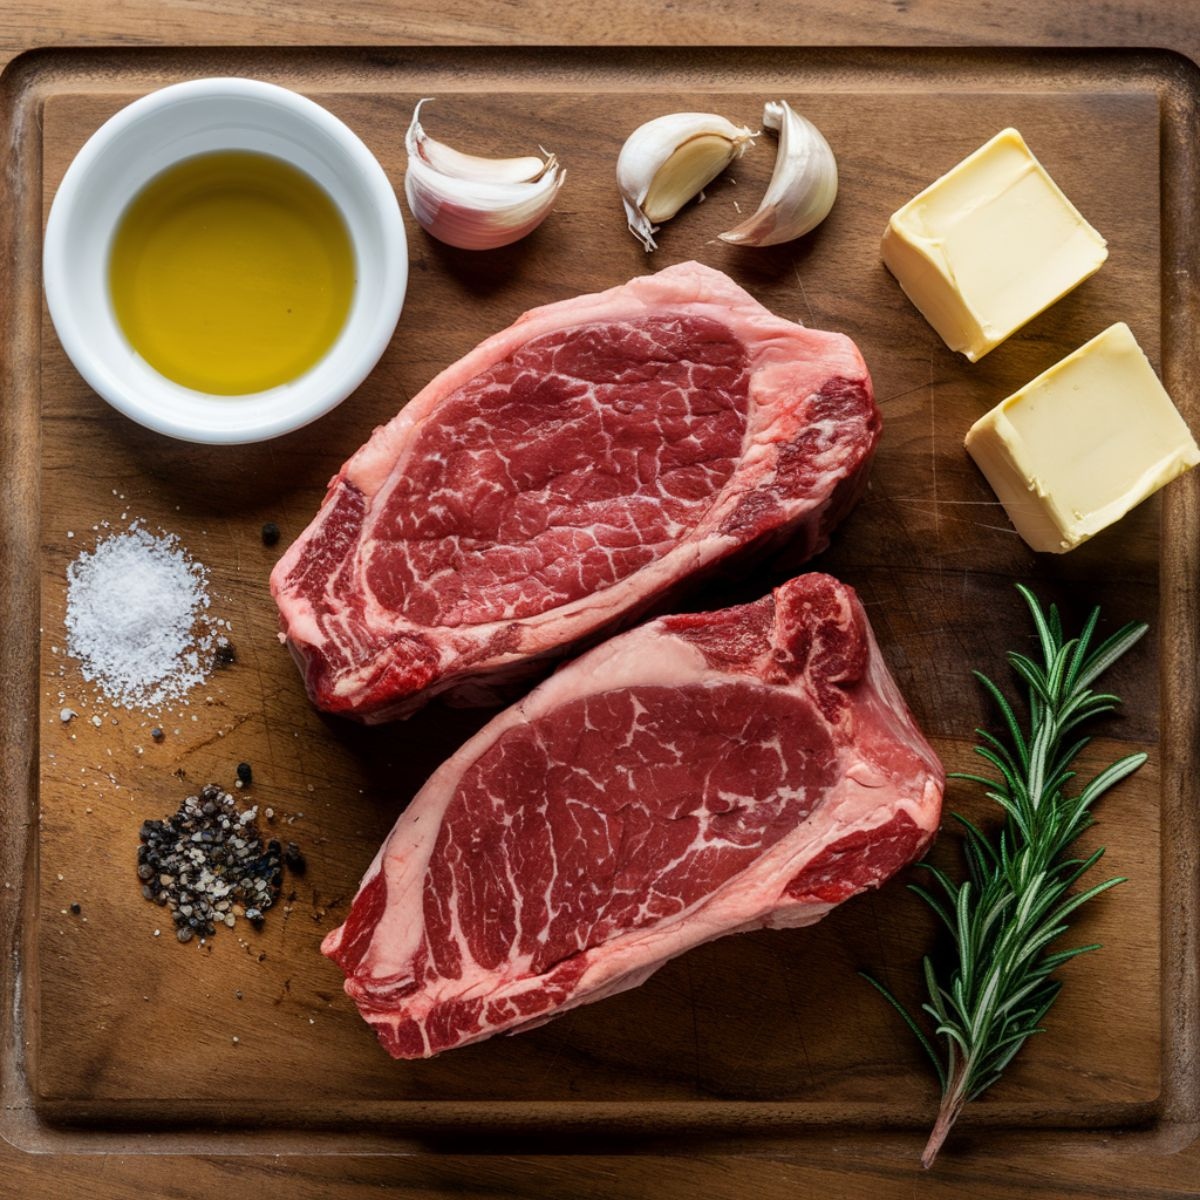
{"x":137,"y":618}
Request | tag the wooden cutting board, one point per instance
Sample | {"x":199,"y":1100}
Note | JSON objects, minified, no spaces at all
{"x":126,"y":1041}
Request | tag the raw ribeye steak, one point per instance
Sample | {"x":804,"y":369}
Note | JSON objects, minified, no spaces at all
{"x":697,"y":776}
{"x":561,"y":479}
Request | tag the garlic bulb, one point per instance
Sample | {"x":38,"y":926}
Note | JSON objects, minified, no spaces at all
{"x":803,"y":185}
{"x":476,"y":203}
{"x":667,"y":161}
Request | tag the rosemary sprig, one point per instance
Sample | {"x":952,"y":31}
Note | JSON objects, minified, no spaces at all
{"x":1014,"y":904}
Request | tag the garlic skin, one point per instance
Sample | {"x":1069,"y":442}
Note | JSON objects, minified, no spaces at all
{"x":803,"y":185}
{"x":666,"y":162}
{"x":476,"y":203}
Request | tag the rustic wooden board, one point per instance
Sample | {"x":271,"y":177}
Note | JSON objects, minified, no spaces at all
{"x":128,"y":1033}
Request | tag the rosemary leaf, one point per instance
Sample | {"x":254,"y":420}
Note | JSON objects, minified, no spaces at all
{"x":1006,"y":916}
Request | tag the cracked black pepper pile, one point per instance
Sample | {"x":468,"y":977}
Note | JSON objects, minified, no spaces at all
{"x":207,"y":864}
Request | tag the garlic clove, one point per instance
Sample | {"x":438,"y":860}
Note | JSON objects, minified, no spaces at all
{"x":448,"y":161}
{"x":803,"y":185}
{"x":666,"y":162}
{"x":687,"y":172}
{"x":476,"y":203}
{"x":478,"y":216}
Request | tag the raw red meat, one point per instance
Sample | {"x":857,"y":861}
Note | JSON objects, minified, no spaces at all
{"x":698,"y":776}
{"x":563,"y":477}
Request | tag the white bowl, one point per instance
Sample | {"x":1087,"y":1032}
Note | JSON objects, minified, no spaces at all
{"x":150,"y":135}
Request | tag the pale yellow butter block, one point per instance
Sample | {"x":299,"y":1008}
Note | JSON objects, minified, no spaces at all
{"x":1081,"y":445}
{"x":990,"y":245}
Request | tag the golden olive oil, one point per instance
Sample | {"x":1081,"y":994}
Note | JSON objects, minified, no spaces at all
{"x":231,"y":272}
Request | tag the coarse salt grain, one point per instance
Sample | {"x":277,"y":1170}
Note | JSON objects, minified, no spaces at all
{"x":136,"y":618}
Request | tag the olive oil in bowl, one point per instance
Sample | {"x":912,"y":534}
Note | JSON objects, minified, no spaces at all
{"x":232,"y":272}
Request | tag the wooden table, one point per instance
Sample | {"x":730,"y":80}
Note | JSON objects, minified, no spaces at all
{"x":827,"y":1169}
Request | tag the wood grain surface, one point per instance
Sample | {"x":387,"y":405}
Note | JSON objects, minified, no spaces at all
{"x":766,"y":1042}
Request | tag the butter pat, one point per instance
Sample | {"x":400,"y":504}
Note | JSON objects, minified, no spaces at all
{"x":1081,"y":445}
{"x":990,"y":245}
